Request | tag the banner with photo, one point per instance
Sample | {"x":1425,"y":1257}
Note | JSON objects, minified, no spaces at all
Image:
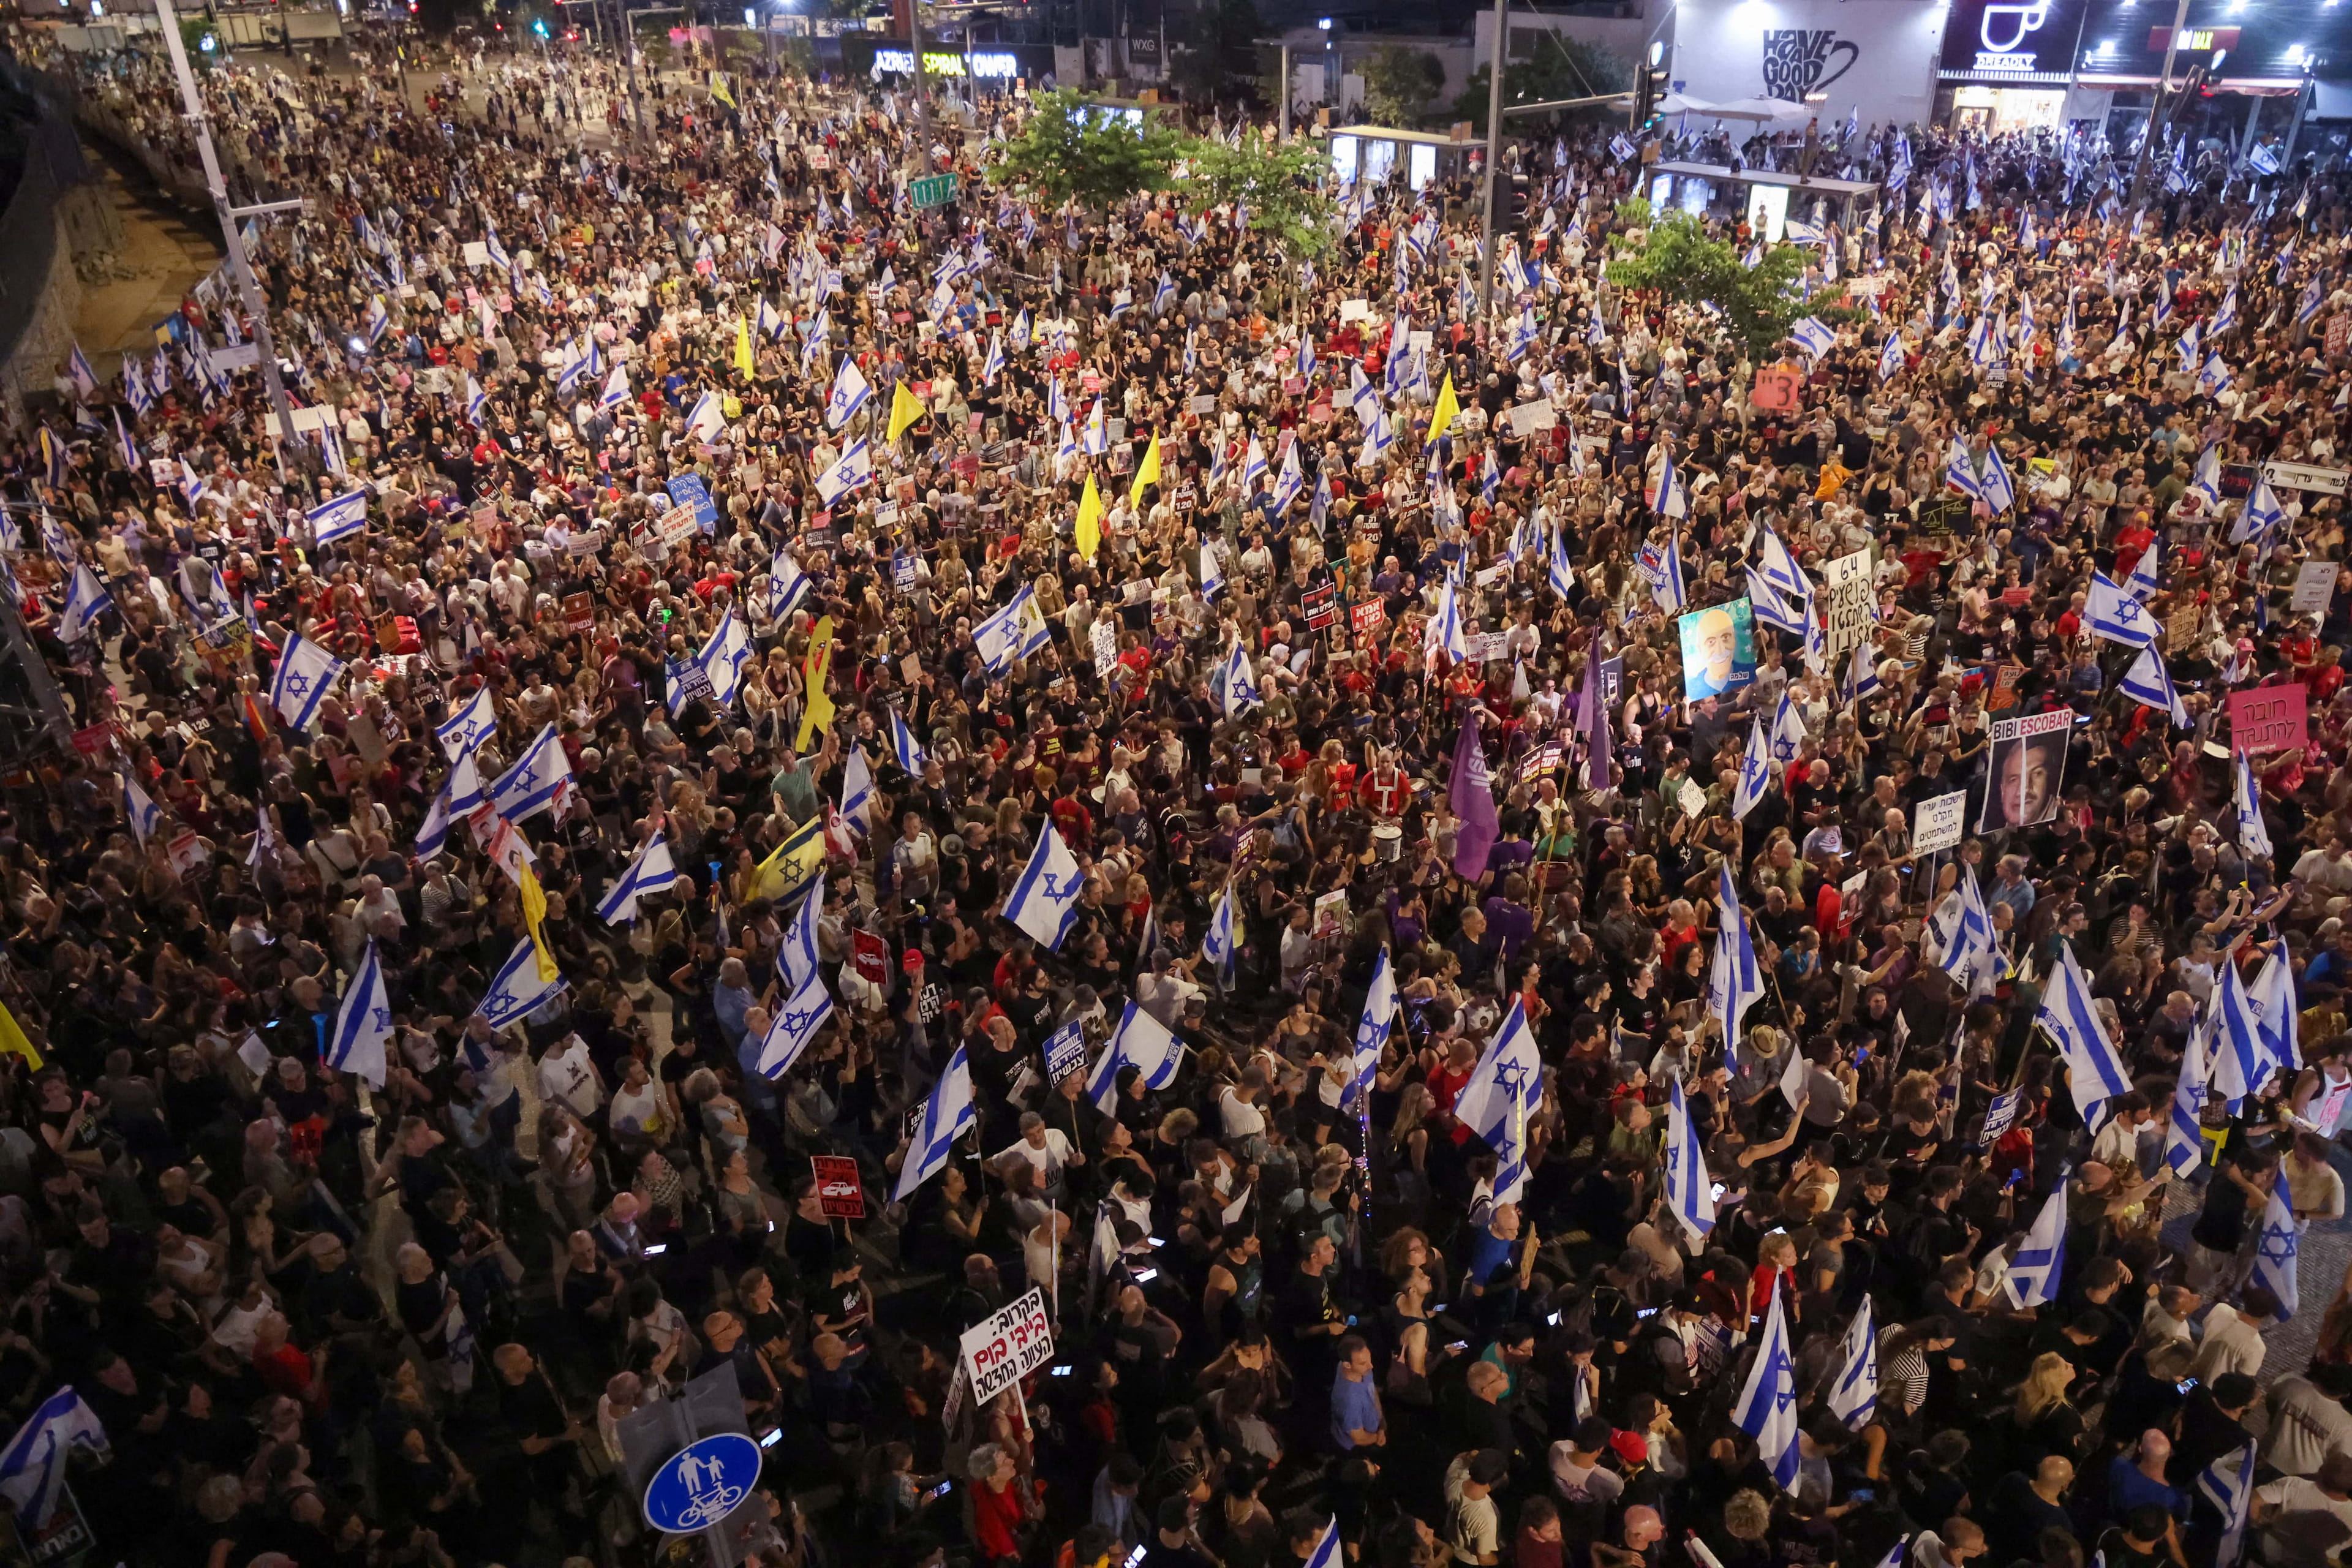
{"x":2027,"y":759}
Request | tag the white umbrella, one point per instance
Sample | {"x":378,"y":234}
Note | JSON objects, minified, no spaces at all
{"x":1762,"y":110}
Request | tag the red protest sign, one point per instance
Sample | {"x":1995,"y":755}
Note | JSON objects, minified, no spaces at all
{"x":840,"y":1191}
{"x":2268,"y":718}
{"x":872,"y":956}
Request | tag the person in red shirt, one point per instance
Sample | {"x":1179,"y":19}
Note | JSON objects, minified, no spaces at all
{"x":1384,"y":789}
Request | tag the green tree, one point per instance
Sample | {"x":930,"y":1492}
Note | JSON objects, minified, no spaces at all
{"x":1098,"y":160}
{"x":1679,"y":263}
{"x":1398,"y":82}
{"x":1282,"y":185}
{"x":1218,"y":62}
{"x":1560,"y":67}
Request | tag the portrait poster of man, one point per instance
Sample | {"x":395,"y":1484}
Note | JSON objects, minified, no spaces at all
{"x":2028,"y":764}
{"x":1718,"y":649}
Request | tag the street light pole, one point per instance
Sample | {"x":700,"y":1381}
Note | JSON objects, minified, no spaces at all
{"x":1495,"y":156}
{"x":1284,"y":92}
{"x":2156,"y":103}
{"x":193,"y":101}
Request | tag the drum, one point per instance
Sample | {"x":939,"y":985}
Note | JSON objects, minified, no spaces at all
{"x":1388,"y":843}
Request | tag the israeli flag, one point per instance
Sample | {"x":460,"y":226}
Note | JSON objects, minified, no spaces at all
{"x":1666,"y":589}
{"x":1213,"y":571}
{"x":708,"y":421}
{"x":797,"y":958}
{"x":530,"y":787}
{"x":1045,"y":899}
{"x":85,"y":600}
{"x":1218,"y":943}
{"x":1290,"y":482}
{"x":1014,"y":632}
{"x":2206,"y":483}
{"x":1096,"y":438}
{"x":1733,"y":982}
{"x":1960,"y":470}
{"x":33,"y":1466}
{"x":2261,"y":514}
{"x":797,"y":1019}
{"x":1774,"y":610}
{"x":2213,"y":377}
{"x":2228,"y":1483}
{"x":1253,"y":466}
{"x":2273,"y":996}
{"x":2112,"y":613}
{"x":2184,"y":1137}
{"x":947,"y":1116}
{"x":2240,"y":1063}
{"x":2146,"y":580}
{"x":139,"y":806}
{"x":1766,"y":1410}
{"x":1500,"y":1099}
{"x":616,"y":388}
{"x":2042,"y":1257}
{"x":1995,"y":487}
{"x":854,"y":468}
{"x":464,"y":730}
{"x":345,"y":514}
{"x":2094,"y":1074}
{"x":911,"y":757}
{"x":2150,"y":684}
{"x":651,"y":870}
{"x":379,"y":320}
{"x":1444,"y":633}
{"x":1559,"y":570}
{"x":478,"y":402}
{"x":2275,"y":1252}
{"x":787,"y":585}
{"x":1890,"y":356}
{"x":1674,"y":496}
{"x":447,"y":808}
{"x":1969,"y":955}
{"x":1755,"y":772}
{"x":516,"y":991}
{"x":2188,"y":350}
{"x":722,"y":659}
{"x":849,"y":396}
{"x":1690,"y":1189}
{"x":1141,"y":1042}
{"x":575,"y":364}
{"x":362,"y":1023}
{"x":2253,"y":835}
{"x":1372,"y":1027}
{"x":1787,"y":731}
{"x":1237,"y":686}
{"x":1814,"y":336}
{"x":994,"y":365}
{"x":1853,"y":1392}
{"x":305,"y":674}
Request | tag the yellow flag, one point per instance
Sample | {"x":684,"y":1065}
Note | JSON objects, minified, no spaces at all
{"x":1147,"y":472}
{"x":792,"y":865}
{"x":1091,"y":511}
{"x":12,"y":1038}
{"x":534,"y":911}
{"x":813,"y":673}
{"x":903,"y":410}
{"x":743,"y":346}
{"x":719,"y":90}
{"x":1448,"y":406}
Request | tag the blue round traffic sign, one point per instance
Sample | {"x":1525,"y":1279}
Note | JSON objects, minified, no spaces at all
{"x":702,"y":1483}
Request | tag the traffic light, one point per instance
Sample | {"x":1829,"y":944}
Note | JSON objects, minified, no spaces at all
{"x":1650,"y":88}
{"x":1512,"y":197}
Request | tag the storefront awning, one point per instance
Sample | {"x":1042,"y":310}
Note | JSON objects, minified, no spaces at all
{"x":2331,"y":100}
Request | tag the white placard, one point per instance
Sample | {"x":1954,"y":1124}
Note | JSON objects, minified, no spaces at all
{"x":1940,"y":824}
{"x":1692,"y":799}
{"x":2304,"y":477}
{"x":1849,"y":602}
{"x":1106,"y":643}
{"x":477,"y":254}
{"x":678,"y":524}
{"x":1528,"y":418}
{"x":1355,"y":311}
{"x":2315,"y":585}
{"x":1007,"y":1346}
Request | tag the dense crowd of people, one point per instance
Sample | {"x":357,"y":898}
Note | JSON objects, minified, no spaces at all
{"x":1554,"y":938}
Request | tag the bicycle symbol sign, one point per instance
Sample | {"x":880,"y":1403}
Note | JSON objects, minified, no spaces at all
{"x":702,"y":1483}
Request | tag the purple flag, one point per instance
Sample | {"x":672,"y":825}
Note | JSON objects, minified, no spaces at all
{"x":1472,"y":797}
{"x":1592,"y":717}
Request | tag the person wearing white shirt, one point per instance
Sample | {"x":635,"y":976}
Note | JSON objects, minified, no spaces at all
{"x":1046,"y":1149}
{"x":2305,"y":1519}
{"x":2233,"y":1337}
{"x":2309,"y":1424}
{"x":567,"y":1075}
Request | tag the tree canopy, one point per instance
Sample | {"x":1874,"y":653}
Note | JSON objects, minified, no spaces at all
{"x":1679,"y":262}
{"x":1280,"y":184}
{"x":1064,"y":154}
